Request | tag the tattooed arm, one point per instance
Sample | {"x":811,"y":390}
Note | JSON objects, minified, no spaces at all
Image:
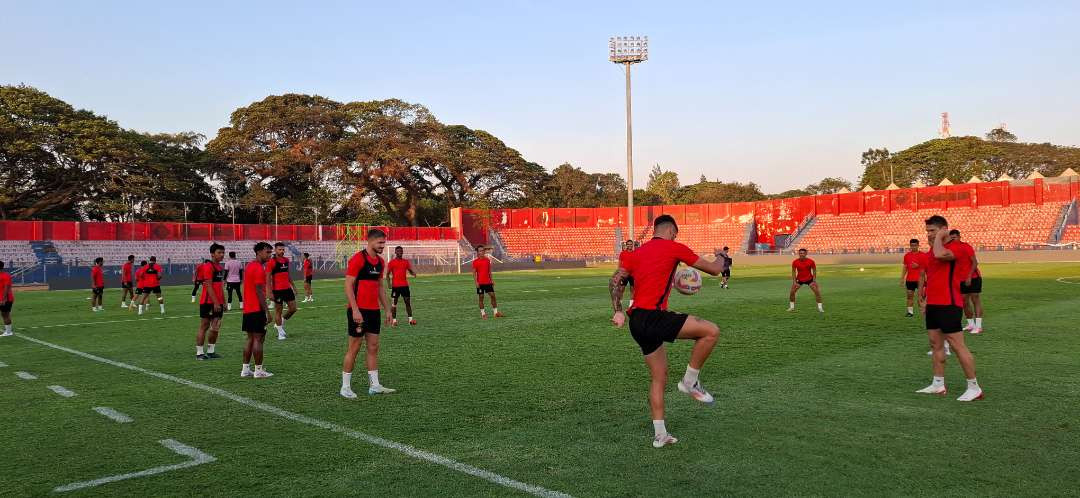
{"x":616,"y":286}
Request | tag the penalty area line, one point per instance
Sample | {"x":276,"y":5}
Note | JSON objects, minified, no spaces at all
{"x":197,"y":458}
{"x":322,"y":424}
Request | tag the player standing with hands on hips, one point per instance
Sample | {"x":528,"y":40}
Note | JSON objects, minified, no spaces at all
{"x":365,"y":300}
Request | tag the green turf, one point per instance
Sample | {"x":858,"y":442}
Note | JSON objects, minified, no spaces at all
{"x":553,"y":396}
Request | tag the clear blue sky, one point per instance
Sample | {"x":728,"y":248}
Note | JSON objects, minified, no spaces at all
{"x":778,"y":93}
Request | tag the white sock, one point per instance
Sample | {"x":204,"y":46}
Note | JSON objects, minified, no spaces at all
{"x":978,"y":322}
{"x":947,"y":349}
{"x":911,"y":310}
{"x":494,"y":310}
{"x":7,"y":328}
{"x":791,"y":305}
{"x":410,"y":318}
{"x":198,"y":350}
{"x":373,"y":377}
{"x":820,"y":307}
{"x":259,"y":368}
{"x":631,"y":304}
{"x":346,"y":380}
{"x":971,"y":322}
{"x":691,"y":376}
{"x":162,"y":307}
{"x":140,"y":309}
{"x":938,"y":381}
{"x":210,"y":348}
{"x":973,"y":384}
{"x":246,"y":369}
{"x":483,"y":312}
{"x":280,"y":328}
{"x":658,"y":428}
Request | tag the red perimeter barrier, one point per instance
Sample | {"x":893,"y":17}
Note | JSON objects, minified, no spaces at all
{"x":93,"y":230}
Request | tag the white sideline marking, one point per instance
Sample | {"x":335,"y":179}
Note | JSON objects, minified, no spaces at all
{"x":2,"y":364}
{"x":63,"y":391}
{"x":113,"y":414}
{"x":322,"y":424}
{"x":1065,"y":280}
{"x":197,"y":458}
{"x":25,"y":375}
{"x":129,"y":320}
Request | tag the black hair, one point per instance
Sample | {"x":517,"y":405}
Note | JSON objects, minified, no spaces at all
{"x":99,"y":260}
{"x":913,"y":241}
{"x":954,"y":232}
{"x":306,"y":255}
{"x":1,"y":265}
{"x":153,"y":259}
{"x":142,"y":263}
{"x":725,"y":248}
{"x":375,"y":233}
{"x":279,"y":244}
{"x":216,"y":247}
{"x":399,"y":247}
{"x":937,"y":220}
{"x":131,"y":257}
{"x":259,"y":246}
{"x":803,"y":249}
{"x":663,"y":219}
{"x":480,"y":247}
{"x":232,"y":254}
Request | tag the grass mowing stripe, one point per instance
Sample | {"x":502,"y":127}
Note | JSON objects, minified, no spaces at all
{"x":296,"y":417}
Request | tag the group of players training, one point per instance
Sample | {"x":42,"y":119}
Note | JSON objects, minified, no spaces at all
{"x":945,"y":277}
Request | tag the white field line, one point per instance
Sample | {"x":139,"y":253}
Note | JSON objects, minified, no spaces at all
{"x":322,"y":424}
{"x":1066,"y":280}
{"x":116,"y":416}
{"x":2,"y":364}
{"x":63,"y":391}
{"x":197,"y":458}
{"x":25,"y":375}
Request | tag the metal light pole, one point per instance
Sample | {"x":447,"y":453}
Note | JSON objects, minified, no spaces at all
{"x":627,"y":50}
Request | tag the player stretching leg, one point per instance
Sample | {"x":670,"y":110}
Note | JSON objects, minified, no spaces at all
{"x":971,"y":285}
{"x":234,"y":276}
{"x":7,"y":300}
{"x":212,"y":303}
{"x":397,"y":272}
{"x":97,"y":294}
{"x":365,"y":297}
{"x":943,"y":309}
{"x":281,"y":287}
{"x":910,"y":273}
{"x":484,"y":284}
{"x":309,"y":272}
{"x":125,"y":282}
{"x":804,"y":272}
{"x":651,"y":324}
{"x":256,"y":316}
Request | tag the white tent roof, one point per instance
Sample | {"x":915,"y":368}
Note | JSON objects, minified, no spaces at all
{"x":1069,"y":172}
{"x":1004,"y":178}
{"x":974,"y":179}
{"x":868,"y":189}
{"x":945,"y":182}
{"x":892,"y":186}
{"x":1034,"y":175}
{"x":843,"y":190}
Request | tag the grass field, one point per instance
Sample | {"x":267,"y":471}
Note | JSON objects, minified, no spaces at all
{"x":553,"y":397}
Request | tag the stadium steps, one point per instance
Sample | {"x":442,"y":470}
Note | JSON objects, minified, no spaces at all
{"x":803,"y":230}
{"x":46,"y":252}
{"x":1063,"y":219}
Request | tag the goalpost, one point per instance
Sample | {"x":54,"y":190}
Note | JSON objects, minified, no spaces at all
{"x":426,"y":257}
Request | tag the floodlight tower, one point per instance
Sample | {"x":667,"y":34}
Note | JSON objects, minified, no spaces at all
{"x":628,"y":50}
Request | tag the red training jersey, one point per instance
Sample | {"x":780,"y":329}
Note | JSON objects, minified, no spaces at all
{"x":152,"y":275}
{"x":965,"y":261}
{"x":5,"y":281}
{"x":482,"y":270}
{"x":140,"y":276}
{"x":398,"y":269}
{"x":279,"y":268}
{"x":308,"y":268}
{"x":125,"y":276}
{"x":254,"y":278}
{"x":653,"y":267}
{"x":212,"y":276}
{"x":622,"y":258}
{"x":942,"y":279}
{"x":915,"y":262}
{"x":98,"y":276}
{"x":368,"y":273}
{"x":802,"y":269}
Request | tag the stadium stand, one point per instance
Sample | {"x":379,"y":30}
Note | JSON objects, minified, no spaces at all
{"x":601,"y":242}
{"x":1071,"y":234}
{"x":988,"y":227}
{"x":17,"y":252}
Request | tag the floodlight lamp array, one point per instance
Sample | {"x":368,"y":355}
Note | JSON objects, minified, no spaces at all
{"x":628,"y":49}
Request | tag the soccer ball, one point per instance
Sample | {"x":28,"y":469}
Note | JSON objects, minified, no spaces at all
{"x":687,"y":281}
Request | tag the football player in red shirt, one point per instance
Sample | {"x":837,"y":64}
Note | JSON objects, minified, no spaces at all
{"x":484,"y":285}
{"x":7,"y":300}
{"x":125,"y":281}
{"x":211,"y":276}
{"x":653,"y":266}
{"x":152,"y":284}
{"x":140,"y":278}
{"x":943,"y":309}
{"x":804,"y":272}
{"x":971,"y":285}
{"x":365,"y":300}
{"x":309,"y":273}
{"x":97,"y":292}
{"x":397,"y":272}
{"x":256,"y":314}
{"x":280,"y":285}
{"x":911,"y":273}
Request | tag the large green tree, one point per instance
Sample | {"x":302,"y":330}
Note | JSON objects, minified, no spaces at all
{"x":664,"y":185}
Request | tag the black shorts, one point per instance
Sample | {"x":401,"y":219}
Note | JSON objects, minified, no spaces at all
{"x":805,"y":282}
{"x":233,"y":286}
{"x":155,"y":290}
{"x":485,"y":288}
{"x":652,"y":328}
{"x":6,"y":307}
{"x":207,"y":311}
{"x":126,"y":285}
{"x":284,"y":296}
{"x":98,"y":291}
{"x":911,"y":286}
{"x":138,"y":291}
{"x":254,"y":322}
{"x":974,"y":288}
{"x":396,"y":292}
{"x":307,"y":280}
{"x":372,"y":323}
{"x":628,"y":282}
{"x":944,"y":317}
{"x":726,"y":273}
